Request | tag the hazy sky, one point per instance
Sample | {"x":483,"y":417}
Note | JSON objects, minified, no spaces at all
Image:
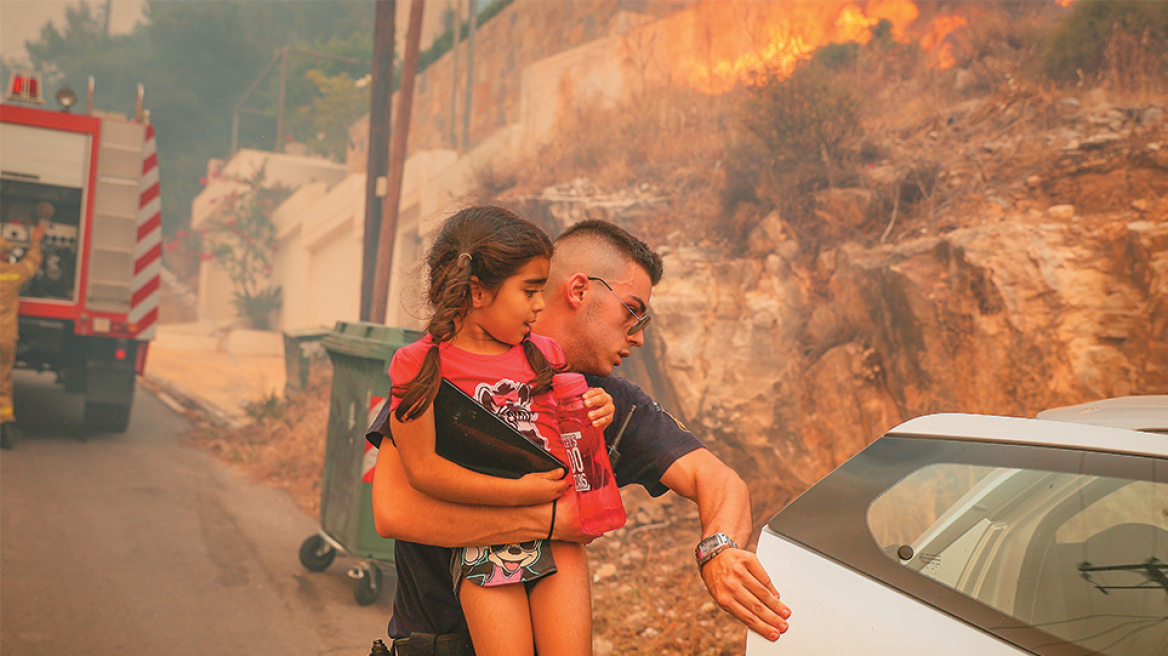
{"x":21,"y":20}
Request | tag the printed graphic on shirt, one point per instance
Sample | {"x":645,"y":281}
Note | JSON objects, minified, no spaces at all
{"x":511,"y":401}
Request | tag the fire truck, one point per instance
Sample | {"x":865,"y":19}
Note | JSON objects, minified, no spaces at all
{"x":91,"y":179}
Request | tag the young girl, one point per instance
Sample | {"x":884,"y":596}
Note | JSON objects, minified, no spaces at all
{"x":487,"y":269}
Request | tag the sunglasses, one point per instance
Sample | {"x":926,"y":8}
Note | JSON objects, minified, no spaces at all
{"x":641,"y":321}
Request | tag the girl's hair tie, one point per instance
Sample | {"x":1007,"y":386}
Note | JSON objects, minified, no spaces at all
{"x":466,"y":255}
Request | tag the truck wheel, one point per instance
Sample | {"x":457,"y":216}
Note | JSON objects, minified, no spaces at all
{"x":74,"y":379}
{"x":316,"y":555}
{"x":107,"y":417}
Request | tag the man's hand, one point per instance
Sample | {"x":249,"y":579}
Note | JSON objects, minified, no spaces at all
{"x":567,"y":528}
{"x":735,"y":578}
{"x":740,"y":585}
{"x":38,"y":232}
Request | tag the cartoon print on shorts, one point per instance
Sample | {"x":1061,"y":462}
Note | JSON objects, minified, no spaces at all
{"x":511,"y":402}
{"x":501,"y":564}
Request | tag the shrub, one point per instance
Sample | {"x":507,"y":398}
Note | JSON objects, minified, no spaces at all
{"x":802,"y":120}
{"x":1122,"y":42}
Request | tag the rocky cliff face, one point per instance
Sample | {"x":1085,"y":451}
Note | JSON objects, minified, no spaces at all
{"x":787,"y":362}
{"x":791,"y":368}
{"x":1042,"y":281}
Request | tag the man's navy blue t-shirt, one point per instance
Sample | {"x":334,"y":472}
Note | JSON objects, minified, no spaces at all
{"x":653,"y":441}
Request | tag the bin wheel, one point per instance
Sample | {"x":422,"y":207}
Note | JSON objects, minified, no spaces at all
{"x":316,"y":555}
{"x":368,"y":586}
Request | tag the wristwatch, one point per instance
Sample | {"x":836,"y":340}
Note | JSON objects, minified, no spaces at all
{"x":712,"y":546}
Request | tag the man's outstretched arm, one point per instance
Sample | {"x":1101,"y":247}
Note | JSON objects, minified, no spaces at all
{"x":735,"y":577}
{"x":403,"y":513}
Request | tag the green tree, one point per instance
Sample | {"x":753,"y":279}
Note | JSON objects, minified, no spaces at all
{"x":196,"y":58}
{"x":342,"y":101}
{"x":69,"y":55}
{"x":324,"y":95}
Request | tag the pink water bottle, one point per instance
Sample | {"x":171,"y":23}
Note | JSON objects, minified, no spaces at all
{"x":597,"y":495}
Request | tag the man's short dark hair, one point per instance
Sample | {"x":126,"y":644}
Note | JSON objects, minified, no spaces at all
{"x":620,"y":239}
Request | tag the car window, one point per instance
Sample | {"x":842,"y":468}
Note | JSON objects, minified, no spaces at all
{"x":1083,"y":558}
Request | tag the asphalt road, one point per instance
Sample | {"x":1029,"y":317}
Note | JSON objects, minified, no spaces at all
{"x":135,"y":544}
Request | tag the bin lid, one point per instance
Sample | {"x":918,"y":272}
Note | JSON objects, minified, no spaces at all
{"x":308,"y":332}
{"x":368,"y":340}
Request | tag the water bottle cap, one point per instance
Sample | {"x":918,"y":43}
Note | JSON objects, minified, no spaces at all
{"x":566,"y":385}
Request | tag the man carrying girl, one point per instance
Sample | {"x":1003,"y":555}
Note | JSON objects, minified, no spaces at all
{"x":597,"y":297}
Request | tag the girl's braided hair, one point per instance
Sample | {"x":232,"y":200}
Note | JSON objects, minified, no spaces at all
{"x":487,"y":243}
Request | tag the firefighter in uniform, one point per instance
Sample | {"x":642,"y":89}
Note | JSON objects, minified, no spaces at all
{"x":13,"y":275}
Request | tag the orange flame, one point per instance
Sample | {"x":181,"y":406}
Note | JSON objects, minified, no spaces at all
{"x":738,"y":39}
{"x":933,"y":40}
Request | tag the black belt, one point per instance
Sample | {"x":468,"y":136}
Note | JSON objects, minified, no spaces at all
{"x":430,"y":644}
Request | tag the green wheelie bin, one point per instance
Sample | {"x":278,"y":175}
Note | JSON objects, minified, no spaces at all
{"x":360,"y":353}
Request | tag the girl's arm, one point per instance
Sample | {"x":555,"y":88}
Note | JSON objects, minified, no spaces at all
{"x":403,"y":513}
{"x":436,"y":476}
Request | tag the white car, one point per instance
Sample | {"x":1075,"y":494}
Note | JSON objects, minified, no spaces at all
{"x":967,"y":535}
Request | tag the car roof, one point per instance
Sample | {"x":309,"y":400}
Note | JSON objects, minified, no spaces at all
{"x":1146,"y":413}
{"x":1041,"y":432}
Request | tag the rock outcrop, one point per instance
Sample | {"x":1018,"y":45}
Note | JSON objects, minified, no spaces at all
{"x":792,"y":367}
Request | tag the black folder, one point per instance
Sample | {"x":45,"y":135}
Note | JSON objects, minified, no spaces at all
{"x":468,"y":434}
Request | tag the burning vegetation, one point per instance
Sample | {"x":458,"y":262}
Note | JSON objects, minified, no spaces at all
{"x":744,"y":40}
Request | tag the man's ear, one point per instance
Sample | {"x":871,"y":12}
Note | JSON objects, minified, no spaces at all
{"x":576,"y":287}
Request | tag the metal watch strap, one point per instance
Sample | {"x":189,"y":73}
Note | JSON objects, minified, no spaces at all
{"x":712,"y":546}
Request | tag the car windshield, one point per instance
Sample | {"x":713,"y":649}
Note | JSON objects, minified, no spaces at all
{"x":1084,"y":558}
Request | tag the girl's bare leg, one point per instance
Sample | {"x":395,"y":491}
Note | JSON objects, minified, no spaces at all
{"x":561,"y":605}
{"x":499,"y":619}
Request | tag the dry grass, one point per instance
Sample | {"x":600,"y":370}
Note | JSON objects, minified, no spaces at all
{"x":648,"y":137}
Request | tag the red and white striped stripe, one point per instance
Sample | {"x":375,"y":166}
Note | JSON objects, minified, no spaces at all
{"x":145,"y":288}
{"x":369,"y":461}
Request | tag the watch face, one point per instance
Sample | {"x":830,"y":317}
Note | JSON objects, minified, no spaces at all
{"x":713,"y":543}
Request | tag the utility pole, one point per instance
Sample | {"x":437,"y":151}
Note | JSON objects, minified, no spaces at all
{"x":470,"y":46}
{"x":283,"y":97}
{"x":454,"y":74}
{"x":397,"y":163}
{"x":380,"y":113}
